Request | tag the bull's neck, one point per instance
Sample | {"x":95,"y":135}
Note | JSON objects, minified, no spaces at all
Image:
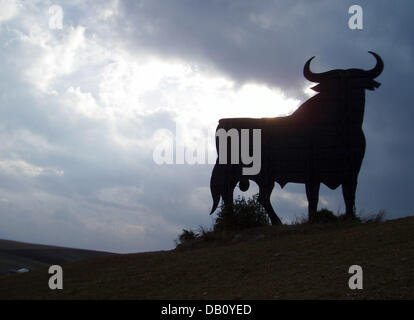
{"x":353,"y":108}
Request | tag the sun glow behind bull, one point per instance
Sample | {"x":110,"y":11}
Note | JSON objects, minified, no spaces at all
{"x":195,"y":95}
{"x":132,"y":88}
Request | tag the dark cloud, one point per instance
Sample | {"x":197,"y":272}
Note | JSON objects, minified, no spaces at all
{"x":266,"y":41}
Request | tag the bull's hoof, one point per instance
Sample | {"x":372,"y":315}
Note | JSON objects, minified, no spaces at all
{"x":350,"y":217}
{"x":276,"y":222}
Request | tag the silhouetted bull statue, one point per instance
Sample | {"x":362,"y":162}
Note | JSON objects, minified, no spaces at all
{"x":321,"y":142}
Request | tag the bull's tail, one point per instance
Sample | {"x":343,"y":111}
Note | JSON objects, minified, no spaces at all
{"x":219,"y":189}
{"x":215,"y":189}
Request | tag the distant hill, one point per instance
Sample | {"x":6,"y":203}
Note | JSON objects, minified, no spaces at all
{"x":288,"y":262}
{"x":16,"y":255}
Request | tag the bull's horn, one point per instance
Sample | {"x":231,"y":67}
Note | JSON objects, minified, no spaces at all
{"x":311,"y":76}
{"x":376,"y":71}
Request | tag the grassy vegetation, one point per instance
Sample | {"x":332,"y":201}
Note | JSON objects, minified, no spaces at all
{"x":233,"y":224}
{"x":306,"y":261}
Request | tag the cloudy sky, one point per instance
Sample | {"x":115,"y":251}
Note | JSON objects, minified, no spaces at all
{"x":88,"y":89}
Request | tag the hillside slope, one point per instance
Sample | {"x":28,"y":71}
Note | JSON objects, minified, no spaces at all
{"x":16,"y":255}
{"x":302,"y":262}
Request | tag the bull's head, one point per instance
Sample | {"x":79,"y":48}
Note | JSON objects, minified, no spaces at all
{"x":341,"y":80}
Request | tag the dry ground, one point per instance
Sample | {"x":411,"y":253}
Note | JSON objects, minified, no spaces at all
{"x":298,"y":262}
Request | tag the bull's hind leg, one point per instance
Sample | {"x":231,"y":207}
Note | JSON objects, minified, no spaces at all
{"x":264,"y":200}
{"x":222,"y":184}
{"x":312,"y":193}
{"x":228,"y":190}
{"x":348,"y":191}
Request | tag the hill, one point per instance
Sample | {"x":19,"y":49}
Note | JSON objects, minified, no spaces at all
{"x":16,"y":255}
{"x":288,"y":262}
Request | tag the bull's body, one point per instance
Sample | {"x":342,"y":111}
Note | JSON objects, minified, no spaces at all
{"x":321,"y":142}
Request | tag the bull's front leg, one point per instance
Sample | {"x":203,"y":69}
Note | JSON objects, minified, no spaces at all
{"x":348,"y":191}
{"x":312,"y":193}
{"x":230,"y":181}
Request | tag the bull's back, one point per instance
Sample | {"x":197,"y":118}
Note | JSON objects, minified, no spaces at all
{"x":252,"y":123}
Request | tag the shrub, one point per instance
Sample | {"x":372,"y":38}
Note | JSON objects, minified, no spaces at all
{"x":244,"y":214}
{"x":206,"y":234}
{"x":186,"y":236}
{"x":324,"y":216}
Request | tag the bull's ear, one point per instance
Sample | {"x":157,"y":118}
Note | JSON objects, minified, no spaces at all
{"x":318,"y":88}
{"x":327,"y":86}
